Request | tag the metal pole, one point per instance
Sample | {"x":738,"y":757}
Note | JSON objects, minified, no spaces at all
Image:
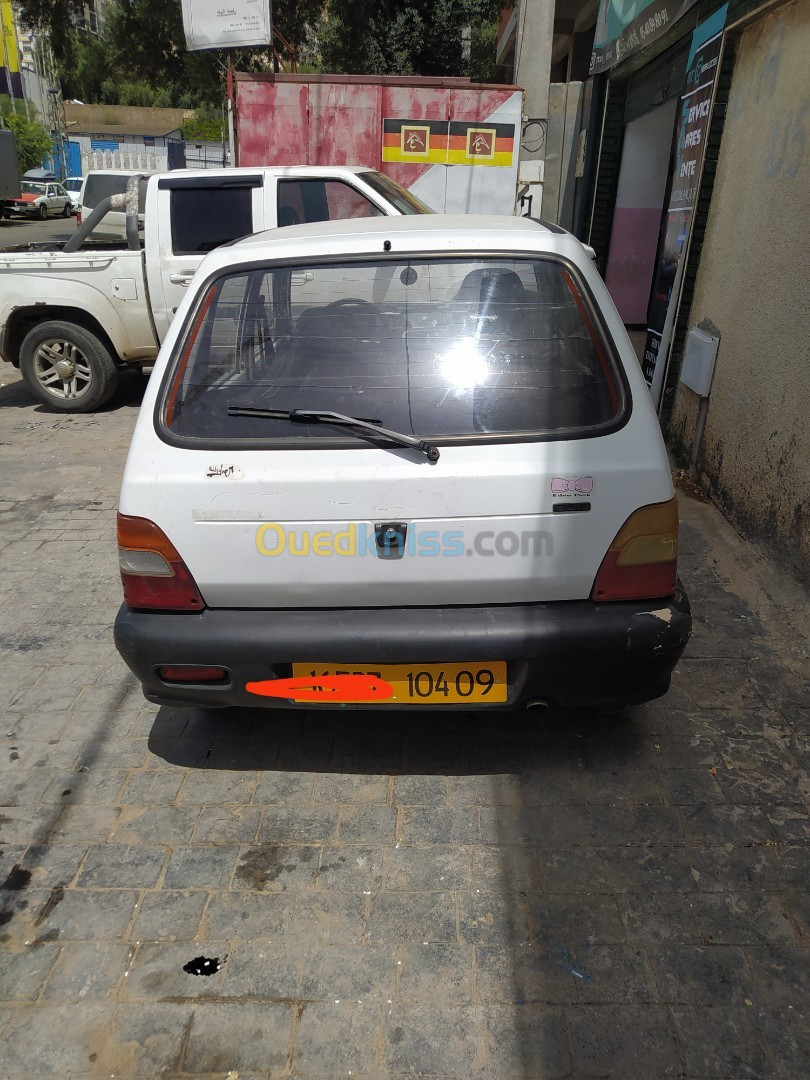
{"x":231,"y":131}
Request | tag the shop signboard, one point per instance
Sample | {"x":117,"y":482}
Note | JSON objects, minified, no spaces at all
{"x":693,"y":126}
{"x":625,"y":26}
{"x":226,"y":24}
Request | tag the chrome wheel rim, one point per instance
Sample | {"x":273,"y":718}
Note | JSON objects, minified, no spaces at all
{"x":62,"y":369}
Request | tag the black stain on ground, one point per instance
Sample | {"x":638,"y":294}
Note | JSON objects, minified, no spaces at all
{"x":262,"y":865}
{"x":55,"y":898}
{"x":202,"y":965}
{"x":17,"y":879}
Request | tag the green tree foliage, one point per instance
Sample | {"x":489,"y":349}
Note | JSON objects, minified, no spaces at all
{"x":205,"y":126}
{"x":417,"y":37}
{"x":140,"y":56}
{"x":34,"y":144}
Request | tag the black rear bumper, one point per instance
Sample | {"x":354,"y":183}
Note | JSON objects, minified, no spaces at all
{"x":571,"y":653}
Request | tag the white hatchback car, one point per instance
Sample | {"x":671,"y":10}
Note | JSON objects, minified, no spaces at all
{"x":399,"y":462}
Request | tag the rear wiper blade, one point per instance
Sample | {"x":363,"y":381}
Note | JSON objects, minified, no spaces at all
{"x":317,"y":416}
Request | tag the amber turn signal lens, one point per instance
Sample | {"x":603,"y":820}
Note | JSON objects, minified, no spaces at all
{"x":642,"y":561}
{"x":152,"y":573}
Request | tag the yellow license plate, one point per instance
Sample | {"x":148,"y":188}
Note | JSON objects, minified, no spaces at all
{"x":407,"y":684}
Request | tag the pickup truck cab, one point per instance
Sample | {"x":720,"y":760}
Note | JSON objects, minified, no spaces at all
{"x":72,"y":319}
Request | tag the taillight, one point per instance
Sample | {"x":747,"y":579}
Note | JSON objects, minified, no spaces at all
{"x":78,"y":218}
{"x":152,"y":572}
{"x":642,"y":561}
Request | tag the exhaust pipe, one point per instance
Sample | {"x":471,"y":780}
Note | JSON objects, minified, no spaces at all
{"x":537,"y":703}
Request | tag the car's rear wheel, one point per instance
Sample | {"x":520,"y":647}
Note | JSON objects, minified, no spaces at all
{"x":43,"y":212}
{"x":66,"y":209}
{"x":67,"y":367}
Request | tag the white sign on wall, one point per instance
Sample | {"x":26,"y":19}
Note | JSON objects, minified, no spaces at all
{"x":226,"y":24}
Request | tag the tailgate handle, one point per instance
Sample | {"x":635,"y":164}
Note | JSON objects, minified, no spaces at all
{"x":182,"y":277}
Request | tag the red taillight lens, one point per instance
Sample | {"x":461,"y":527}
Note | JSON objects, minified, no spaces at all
{"x":191,"y":673}
{"x":642,"y":561}
{"x":78,"y":218}
{"x":152,"y":572}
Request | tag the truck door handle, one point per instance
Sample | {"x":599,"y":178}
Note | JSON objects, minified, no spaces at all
{"x":182,"y":277}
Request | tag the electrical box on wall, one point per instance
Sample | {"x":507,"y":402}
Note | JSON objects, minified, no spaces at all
{"x":698,"y":361}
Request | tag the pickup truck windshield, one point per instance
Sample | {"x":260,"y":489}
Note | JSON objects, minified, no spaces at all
{"x":471,"y":348}
{"x":403,"y":200}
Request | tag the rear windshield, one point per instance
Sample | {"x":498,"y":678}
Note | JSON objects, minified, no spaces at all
{"x":99,"y":186}
{"x":72,"y":185}
{"x":465,"y":348}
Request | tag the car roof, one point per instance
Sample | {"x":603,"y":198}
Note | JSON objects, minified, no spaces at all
{"x":466,"y":226}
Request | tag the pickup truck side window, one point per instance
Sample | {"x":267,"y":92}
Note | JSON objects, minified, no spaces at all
{"x":301,"y":201}
{"x":205,"y":218}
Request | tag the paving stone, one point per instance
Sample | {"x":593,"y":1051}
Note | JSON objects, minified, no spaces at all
{"x":23,"y":974}
{"x":97,"y":788}
{"x":276,"y":868}
{"x":572,"y":921}
{"x":723,"y":1040}
{"x":400,"y":918}
{"x":781,"y":975}
{"x":660,"y":917}
{"x":86,"y":915}
{"x":529,"y":1041}
{"x":144,"y":1040}
{"x":623,"y":1041}
{"x":168,"y":825}
{"x":208,"y":788}
{"x":426,"y":869}
{"x":345,"y":972}
{"x":201,"y":867}
{"x":155,"y":974}
{"x":86,"y":970}
{"x":285,"y":826}
{"x":435,"y":1039}
{"x":350,"y":869}
{"x":702,"y":974}
{"x":744,"y":919}
{"x":169,"y":915}
{"x":153,"y":788}
{"x":497,"y":789}
{"x":436,"y":972}
{"x":30,"y":1042}
{"x":227,"y":824}
{"x":420,"y":791}
{"x":352,"y":789}
{"x":226,"y":1038}
{"x":52,"y":864}
{"x":492,"y":920}
{"x":121,"y":866}
{"x":367,"y":824}
{"x":319,"y":1053}
{"x":439,"y":825}
{"x":248,"y":917}
{"x":329,"y":919}
{"x":83,"y":822}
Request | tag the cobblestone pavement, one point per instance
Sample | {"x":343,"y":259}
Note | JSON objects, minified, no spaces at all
{"x":466,"y":896}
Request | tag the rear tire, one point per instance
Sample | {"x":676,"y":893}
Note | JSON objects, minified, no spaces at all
{"x":67,"y":368}
{"x":66,"y":210}
{"x":43,"y":212}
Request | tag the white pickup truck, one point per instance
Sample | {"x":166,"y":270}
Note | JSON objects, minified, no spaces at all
{"x":71,"y":317}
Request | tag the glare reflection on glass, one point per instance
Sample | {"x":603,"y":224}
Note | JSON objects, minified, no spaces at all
{"x":463,"y":366}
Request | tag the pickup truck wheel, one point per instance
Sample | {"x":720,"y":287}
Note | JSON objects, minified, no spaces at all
{"x":67,"y":367}
{"x":43,"y":212}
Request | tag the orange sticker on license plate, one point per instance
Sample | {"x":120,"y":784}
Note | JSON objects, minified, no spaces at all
{"x":393,"y":684}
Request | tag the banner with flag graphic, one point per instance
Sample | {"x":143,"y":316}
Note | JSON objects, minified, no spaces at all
{"x":448,"y":142}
